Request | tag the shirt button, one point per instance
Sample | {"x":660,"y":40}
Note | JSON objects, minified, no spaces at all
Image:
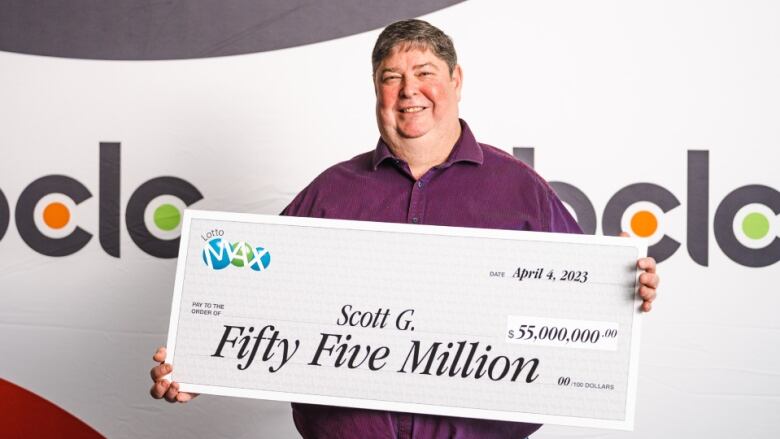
{"x":420,"y":184}
{"x":415,"y":220}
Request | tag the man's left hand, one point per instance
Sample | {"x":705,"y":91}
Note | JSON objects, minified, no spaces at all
{"x":648,"y":282}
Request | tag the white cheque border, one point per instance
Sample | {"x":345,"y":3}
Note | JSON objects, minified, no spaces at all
{"x":189,"y":215}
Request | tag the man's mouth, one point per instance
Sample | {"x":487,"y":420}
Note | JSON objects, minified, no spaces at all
{"x":412,"y":109}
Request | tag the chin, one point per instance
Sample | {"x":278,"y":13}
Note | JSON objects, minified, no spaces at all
{"x":413,"y":132}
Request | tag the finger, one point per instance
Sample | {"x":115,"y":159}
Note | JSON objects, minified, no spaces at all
{"x":624,"y":234}
{"x":649,"y":279}
{"x":185,"y":397}
{"x":159,"y":388}
{"x":173,"y":390}
{"x":646,"y":264}
{"x":647,"y":294}
{"x":647,"y":306}
{"x":159,"y":355}
{"x":160,"y":371}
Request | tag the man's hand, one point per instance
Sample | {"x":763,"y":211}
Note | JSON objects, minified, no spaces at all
{"x":162,"y":388}
{"x":648,"y":280}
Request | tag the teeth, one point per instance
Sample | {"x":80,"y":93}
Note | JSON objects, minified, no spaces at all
{"x":412,"y":109}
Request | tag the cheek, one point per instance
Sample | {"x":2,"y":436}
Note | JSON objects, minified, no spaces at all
{"x":386,"y":98}
{"x":433,"y":92}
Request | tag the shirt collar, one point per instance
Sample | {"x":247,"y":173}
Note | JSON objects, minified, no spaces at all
{"x":466,"y":149}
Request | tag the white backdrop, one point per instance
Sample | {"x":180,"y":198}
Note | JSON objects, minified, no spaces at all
{"x":609,"y":93}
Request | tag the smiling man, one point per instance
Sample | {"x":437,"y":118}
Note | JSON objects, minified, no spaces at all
{"x":417,"y":95}
{"x":427,"y":168}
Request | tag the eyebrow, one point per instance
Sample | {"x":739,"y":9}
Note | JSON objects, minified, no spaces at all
{"x":417,"y":67}
{"x":428,"y":64}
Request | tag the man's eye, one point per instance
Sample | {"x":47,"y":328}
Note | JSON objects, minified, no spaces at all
{"x":390,"y":78}
{"x":426,"y":73}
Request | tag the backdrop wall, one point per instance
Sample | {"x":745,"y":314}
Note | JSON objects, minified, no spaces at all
{"x":670,"y":108}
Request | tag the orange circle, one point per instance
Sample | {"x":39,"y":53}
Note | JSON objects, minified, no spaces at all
{"x":644,"y":223}
{"x":56,"y":215}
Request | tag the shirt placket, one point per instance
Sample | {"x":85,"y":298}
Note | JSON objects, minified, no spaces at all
{"x":405,"y":425}
{"x":416,"y":211}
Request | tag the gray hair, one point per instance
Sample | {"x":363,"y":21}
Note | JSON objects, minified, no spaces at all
{"x":414,"y":34}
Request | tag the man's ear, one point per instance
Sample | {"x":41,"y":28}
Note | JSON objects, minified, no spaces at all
{"x":457,"y":76}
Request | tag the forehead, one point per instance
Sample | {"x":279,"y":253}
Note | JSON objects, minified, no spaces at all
{"x":409,"y":54}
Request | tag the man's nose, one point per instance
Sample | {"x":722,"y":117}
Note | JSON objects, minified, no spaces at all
{"x":409,"y":87}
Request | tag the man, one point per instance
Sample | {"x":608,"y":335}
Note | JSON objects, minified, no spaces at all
{"x":427,"y":168}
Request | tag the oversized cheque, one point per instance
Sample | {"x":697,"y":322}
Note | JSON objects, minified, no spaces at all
{"x":534,"y":327}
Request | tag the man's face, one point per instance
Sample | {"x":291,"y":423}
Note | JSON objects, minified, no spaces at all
{"x":416,"y":97}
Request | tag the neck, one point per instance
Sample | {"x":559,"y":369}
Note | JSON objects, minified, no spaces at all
{"x":423,"y":153}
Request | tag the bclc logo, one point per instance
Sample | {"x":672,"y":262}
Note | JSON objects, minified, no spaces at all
{"x":746,"y":224}
{"x":44,"y":211}
{"x":218,"y":253}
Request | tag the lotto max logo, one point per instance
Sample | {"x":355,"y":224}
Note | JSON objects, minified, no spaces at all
{"x":218,"y":254}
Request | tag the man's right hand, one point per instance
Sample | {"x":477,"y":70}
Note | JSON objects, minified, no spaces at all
{"x":163,"y":388}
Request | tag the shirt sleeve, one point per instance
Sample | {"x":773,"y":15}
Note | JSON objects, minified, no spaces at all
{"x":304,"y":204}
{"x":559,"y":218}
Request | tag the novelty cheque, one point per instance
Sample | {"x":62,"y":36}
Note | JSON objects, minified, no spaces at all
{"x":478,"y":323}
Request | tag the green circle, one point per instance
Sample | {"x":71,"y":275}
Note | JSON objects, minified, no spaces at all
{"x":241,"y":251}
{"x":167,"y":217}
{"x":755,"y":225}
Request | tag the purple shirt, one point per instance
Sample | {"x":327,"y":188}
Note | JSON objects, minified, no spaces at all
{"x":478,"y":186}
